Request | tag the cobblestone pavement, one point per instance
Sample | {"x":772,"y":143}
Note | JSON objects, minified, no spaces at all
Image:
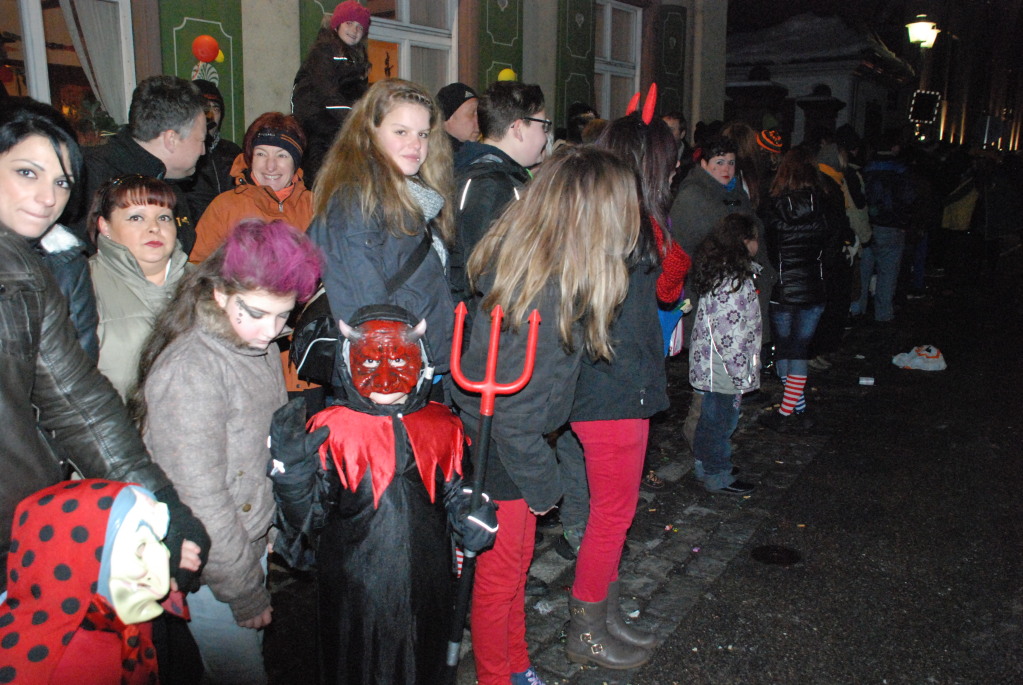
{"x":912,"y":577}
{"x":682,"y":539}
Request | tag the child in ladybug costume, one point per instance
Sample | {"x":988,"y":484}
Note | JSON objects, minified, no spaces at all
{"x":382,"y":496}
{"x":86,"y":572}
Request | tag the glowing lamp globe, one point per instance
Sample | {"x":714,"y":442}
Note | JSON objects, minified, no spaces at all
{"x":922,"y":31}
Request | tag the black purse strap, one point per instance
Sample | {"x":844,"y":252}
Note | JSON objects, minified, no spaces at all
{"x":414,"y":260}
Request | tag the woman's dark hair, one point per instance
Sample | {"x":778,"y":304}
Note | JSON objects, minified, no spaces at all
{"x":21,"y":117}
{"x":797,"y":171}
{"x":652,"y":152}
{"x":124,"y":191}
{"x":715,"y":147}
{"x":723,"y":258}
{"x":749,"y":158}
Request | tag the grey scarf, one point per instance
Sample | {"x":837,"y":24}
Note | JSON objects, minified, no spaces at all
{"x":428,"y":199}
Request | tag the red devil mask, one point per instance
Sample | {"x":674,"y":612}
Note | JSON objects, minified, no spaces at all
{"x":384,"y":356}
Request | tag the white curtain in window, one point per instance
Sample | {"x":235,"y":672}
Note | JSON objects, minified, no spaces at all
{"x":94,"y":27}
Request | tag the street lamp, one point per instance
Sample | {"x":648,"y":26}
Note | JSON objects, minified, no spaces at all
{"x":922,"y":31}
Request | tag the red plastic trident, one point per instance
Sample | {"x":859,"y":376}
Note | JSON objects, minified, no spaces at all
{"x":489,"y":388}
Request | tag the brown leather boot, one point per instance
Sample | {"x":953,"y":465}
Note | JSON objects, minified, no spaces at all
{"x":589,"y":640}
{"x":617,"y":626}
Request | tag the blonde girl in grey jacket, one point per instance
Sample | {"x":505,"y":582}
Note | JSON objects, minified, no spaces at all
{"x":210,"y":379}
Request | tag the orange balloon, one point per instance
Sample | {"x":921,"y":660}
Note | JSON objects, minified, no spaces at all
{"x":205,"y":48}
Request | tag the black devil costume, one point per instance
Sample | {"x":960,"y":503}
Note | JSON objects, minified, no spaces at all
{"x":378,"y":497}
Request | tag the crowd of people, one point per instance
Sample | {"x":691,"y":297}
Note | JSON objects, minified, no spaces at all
{"x":146,"y":291}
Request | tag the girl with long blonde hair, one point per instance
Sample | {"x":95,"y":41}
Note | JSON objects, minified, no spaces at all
{"x":561,"y":249}
{"x":380,"y":211}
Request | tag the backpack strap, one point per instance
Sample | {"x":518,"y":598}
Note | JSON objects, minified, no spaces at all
{"x":413,"y":262}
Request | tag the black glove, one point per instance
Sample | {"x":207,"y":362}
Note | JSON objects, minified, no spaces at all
{"x":293,"y":458}
{"x":475,"y":530}
{"x":183,"y":526}
{"x":293,"y":468}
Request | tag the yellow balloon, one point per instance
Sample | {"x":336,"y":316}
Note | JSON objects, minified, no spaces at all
{"x":507,"y":75}
{"x":220,"y":56}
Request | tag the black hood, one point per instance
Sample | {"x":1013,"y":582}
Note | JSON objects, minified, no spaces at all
{"x":418,"y":398}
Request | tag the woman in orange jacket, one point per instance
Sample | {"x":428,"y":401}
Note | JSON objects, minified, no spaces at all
{"x":268,"y":184}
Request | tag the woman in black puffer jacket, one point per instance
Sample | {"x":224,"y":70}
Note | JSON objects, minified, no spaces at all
{"x":800,"y":218}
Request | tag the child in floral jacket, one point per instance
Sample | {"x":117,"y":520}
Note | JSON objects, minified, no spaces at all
{"x":724,"y":359}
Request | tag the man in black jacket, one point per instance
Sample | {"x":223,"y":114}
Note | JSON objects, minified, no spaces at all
{"x":213,"y":170}
{"x":164,"y":138}
{"x":890,"y":198}
{"x":490,"y":174}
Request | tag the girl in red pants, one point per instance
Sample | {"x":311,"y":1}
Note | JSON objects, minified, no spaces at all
{"x":614,"y":402}
{"x":561,"y":249}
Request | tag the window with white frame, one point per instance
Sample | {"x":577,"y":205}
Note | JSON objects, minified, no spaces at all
{"x":76,"y":54}
{"x":414,"y":40}
{"x":617,"y":41}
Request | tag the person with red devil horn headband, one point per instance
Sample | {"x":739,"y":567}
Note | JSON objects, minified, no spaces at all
{"x":378,"y":479}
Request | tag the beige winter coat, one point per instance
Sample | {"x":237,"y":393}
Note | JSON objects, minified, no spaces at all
{"x":210,"y":400}
{"x":127,"y":304}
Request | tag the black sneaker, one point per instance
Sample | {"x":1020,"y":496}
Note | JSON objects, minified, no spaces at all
{"x":549,"y":524}
{"x":536,"y":587}
{"x":785,"y":423}
{"x":737,"y":488}
{"x":564,"y":548}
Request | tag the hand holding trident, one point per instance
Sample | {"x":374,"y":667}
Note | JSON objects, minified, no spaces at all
{"x":489,"y":388}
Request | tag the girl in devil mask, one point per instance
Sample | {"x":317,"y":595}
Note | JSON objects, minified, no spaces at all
{"x":391,"y":468}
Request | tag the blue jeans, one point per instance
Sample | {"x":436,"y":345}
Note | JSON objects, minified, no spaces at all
{"x":793,"y":328}
{"x":883,"y":256}
{"x":231,"y":654}
{"x":712,"y":447}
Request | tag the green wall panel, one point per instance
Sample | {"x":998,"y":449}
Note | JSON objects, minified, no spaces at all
{"x":310,"y":19}
{"x":181,"y":21}
{"x":669,"y":68}
{"x":500,"y":39}
{"x":575,"y":56}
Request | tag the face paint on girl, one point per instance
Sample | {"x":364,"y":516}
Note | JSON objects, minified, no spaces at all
{"x":722,"y":167}
{"x":256,"y":316}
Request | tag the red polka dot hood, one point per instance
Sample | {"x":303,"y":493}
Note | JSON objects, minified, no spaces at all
{"x":57,"y":541}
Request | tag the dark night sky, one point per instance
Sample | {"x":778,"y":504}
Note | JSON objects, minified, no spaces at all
{"x":748,"y":15}
{"x":983,"y":36}
{"x":886,"y":17}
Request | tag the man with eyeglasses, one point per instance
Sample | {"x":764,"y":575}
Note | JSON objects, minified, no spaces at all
{"x":489,"y":174}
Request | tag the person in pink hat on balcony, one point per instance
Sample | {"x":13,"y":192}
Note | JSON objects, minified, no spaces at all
{"x":333,"y":77}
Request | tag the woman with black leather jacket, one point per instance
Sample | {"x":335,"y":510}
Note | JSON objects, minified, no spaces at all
{"x":56,"y":405}
{"x":800,"y":219}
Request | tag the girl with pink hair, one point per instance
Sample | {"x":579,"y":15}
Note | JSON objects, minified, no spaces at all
{"x":209,"y":382}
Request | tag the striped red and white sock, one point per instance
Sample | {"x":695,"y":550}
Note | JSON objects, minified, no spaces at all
{"x":793,"y":391}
